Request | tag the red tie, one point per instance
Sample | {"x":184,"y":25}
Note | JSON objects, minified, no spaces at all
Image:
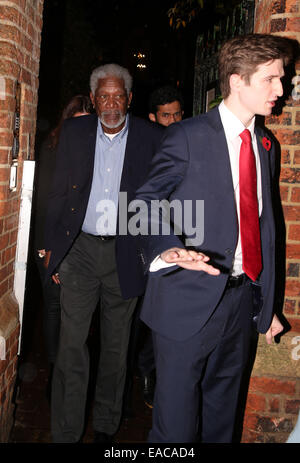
{"x":249,"y":221}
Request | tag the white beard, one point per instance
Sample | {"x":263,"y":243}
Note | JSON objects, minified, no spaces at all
{"x":120,"y":121}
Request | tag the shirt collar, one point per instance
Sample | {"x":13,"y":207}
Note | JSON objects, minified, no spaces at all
{"x":233,"y":127}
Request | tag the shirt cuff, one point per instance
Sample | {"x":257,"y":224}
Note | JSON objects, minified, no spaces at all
{"x":158,"y":264}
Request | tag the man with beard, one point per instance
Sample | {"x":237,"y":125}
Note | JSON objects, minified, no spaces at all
{"x":99,"y":157}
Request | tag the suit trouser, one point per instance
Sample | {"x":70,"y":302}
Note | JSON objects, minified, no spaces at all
{"x":51,"y":312}
{"x":87,"y":274}
{"x":204,"y":370}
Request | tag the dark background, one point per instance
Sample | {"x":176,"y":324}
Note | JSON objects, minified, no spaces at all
{"x":79,"y":35}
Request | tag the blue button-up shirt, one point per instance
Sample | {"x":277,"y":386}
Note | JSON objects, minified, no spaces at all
{"x":101,"y":213}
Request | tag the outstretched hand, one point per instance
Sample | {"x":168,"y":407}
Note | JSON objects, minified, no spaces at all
{"x":189,"y":259}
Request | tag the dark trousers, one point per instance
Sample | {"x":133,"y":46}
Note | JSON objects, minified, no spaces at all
{"x":51,"y":311}
{"x":87,"y":274}
{"x":203,"y":373}
{"x":146,"y":362}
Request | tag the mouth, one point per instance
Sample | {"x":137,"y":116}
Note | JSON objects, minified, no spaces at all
{"x":113,"y":114}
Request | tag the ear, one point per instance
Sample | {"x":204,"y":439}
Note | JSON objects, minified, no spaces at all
{"x":152,"y":117}
{"x":129,"y":99}
{"x":235,"y":82}
{"x":92,"y":99}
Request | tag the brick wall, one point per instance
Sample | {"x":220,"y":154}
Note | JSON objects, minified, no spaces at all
{"x":274,"y":395}
{"x":20,"y":35}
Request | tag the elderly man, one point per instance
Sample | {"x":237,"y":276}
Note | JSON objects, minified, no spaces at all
{"x":99,"y":156}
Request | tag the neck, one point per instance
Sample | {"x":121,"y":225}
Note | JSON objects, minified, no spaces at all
{"x":246,"y":117}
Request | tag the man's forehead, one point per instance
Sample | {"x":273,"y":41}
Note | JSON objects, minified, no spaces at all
{"x":272,"y":68}
{"x":174,"y":105}
{"x":111,"y":81}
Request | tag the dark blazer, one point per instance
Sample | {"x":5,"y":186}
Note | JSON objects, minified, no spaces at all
{"x":72,"y":184}
{"x":43,"y":180}
{"x":193,"y":163}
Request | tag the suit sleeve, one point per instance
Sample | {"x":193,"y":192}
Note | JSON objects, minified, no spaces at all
{"x":58,"y":191}
{"x":166,"y":173}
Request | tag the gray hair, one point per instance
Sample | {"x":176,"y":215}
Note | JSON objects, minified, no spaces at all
{"x":108,"y":70}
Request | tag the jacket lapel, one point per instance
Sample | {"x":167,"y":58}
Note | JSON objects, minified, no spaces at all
{"x":220,"y":153}
{"x":264,"y":166}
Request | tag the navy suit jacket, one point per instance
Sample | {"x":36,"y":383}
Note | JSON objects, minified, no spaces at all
{"x":193,"y":164}
{"x":72,"y":184}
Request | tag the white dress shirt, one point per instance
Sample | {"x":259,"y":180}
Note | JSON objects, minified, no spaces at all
{"x":232,"y":128}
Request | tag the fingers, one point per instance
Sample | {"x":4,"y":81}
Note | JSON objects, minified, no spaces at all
{"x":189,"y":259}
{"x":183,"y":255}
{"x":56,"y":279}
{"x":199,"y":265}
{"x":275,"y":328}
{"x":269,"y":336}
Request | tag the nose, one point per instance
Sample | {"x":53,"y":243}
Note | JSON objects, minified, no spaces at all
{"x":111,"y":102}
{"x":279,"y":88}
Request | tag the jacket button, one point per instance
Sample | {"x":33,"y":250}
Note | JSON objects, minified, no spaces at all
{"x":72,"y":209}
{"x":74,"y":187}
{"x":68,"y":233}
{"x":228,"y":251}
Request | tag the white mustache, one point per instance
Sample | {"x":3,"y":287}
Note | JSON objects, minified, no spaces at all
{"x":112,"y":113}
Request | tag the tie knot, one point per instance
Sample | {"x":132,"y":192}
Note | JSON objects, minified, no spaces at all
{"x":246,"y":136}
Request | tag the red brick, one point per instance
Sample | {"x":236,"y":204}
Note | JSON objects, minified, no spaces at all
{"x":6,"y":138}
{"x":290,"y":175}
{"x":4,"y":240}
{"x":9,"y":14}
{"x":289,"y":306}
{"x":291,"y":213}
{"x":256,"y":402}
{"x":274,"y":424}
{"x":295,"y":324}
{"x":8,"y":104}
{"x":292,"y":6}
{"x":285,"y":156}
{"x":293,"y":24}
{"x":4,"y":174}
{"x":287,"y":137}
{"x":4,"y":155}
{"x":292,"y":270}
{"x":272,"y":386}
{"x":295,"y":195}
{"x":284,"y":192}
{"x":11,"y":222}
{"x":292,"y":288}
{"x":278,"y":6}
{"x":278,"y":25}
{"x":274,"y":405}
{"x":285,"y":118}
{"x":294,"y":232}
{"x":292,"y":406}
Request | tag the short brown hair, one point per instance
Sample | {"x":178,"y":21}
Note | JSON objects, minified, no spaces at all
{"x":242,"y":55}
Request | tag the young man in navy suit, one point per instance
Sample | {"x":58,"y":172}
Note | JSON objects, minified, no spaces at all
{"x":102,"y":159}
{"x":216,"y":171}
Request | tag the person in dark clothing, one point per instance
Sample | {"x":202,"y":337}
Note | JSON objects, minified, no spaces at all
{"x":165,"y":107}
{"x":102,"y":160}
{"x":79,"y":105}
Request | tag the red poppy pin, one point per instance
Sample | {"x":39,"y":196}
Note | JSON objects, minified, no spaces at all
{"x":266,"y":143}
